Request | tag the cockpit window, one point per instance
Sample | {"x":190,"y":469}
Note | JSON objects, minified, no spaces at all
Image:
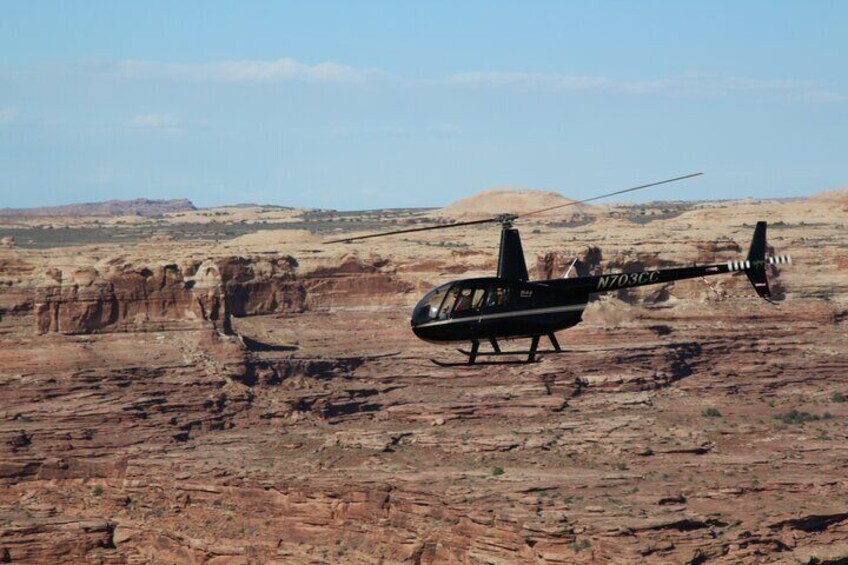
{"x":428,"y":308}
{"x":451,"y":299}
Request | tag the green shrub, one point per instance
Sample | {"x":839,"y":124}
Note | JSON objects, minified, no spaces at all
{"x":579,"y":545}
{"x":796,"y":417}
{"x":711,"y":412}
{"x":497,"y":471}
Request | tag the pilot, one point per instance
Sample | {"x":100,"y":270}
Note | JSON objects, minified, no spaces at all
{"x":463,"y":303}
{"x":447,"y":306}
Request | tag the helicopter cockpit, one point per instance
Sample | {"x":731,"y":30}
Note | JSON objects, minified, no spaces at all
{"x":459,"y":300}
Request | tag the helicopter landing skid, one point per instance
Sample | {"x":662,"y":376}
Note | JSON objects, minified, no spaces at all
{"x":475,"y":352}
{"x":503,"y":353}
{"x":482,"y":363}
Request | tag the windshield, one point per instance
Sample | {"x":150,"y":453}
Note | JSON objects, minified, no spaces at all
{"x":428,"y":308}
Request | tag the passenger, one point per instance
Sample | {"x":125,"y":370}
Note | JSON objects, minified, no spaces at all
{"x":496,"y":297}
{"x":499,"y":297}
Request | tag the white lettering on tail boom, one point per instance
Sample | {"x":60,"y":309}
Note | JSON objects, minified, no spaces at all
{"x":624,"y":280}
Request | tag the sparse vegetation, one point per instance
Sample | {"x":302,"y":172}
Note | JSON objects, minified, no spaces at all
{"x":838,"y":397}
{"x":497,"y":471}
{"x":580,"y":545}
{"x":796,"y":417}
{"x":711,"y":412}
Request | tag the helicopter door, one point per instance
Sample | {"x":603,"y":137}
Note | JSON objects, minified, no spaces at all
{"x":468,"y":301}
{"x":498,"y":303}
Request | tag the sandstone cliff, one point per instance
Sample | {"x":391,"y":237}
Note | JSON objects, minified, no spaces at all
{"x":124,"y":297}
{"x":261,"y":400}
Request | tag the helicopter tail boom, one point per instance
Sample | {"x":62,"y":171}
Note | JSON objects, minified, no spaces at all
{"x":754,"y":267}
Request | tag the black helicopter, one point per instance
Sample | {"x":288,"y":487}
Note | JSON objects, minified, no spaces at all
{"x":509,"y":305}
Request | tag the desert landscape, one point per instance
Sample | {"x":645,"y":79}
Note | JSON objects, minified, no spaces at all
{"x":217,"y":386}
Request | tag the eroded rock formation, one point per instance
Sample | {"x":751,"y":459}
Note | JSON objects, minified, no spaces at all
{"x":700,"y":426}
{"x":122,"y":297}
{"x":126,"y":297}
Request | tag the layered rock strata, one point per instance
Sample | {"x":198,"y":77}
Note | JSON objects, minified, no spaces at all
{"x":237,"y":407}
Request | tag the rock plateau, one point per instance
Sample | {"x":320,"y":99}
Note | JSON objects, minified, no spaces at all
{"x":223,"y":389}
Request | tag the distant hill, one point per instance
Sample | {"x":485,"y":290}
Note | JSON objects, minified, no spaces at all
{"x":493,"y":202}
{"x":839,"y":196}
{"x":137,"y":207}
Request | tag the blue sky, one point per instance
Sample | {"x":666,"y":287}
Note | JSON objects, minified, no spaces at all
{"x":387,"y":104}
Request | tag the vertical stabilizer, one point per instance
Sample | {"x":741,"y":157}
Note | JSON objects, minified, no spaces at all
{"x":757,"y":251}
{"x":511,"y":263}
{"x":757,"y":261}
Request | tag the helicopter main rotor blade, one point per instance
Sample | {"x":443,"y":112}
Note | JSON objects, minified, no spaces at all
{"x":411,"y":230}
{"x":505,"y":218}
{"x":640,"y":187}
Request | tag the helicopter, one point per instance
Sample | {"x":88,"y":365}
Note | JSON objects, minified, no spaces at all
{"x":511,"y":306}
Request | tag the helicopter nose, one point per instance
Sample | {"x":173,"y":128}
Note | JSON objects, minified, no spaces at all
{"x":418,"y":319}
{"x":420,"y":314}
{"x":422,"y":333}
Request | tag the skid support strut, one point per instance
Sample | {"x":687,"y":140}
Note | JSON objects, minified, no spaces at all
{"x":554,"y":342}
{"x":475,"y":348}
{"x":534,"y":346}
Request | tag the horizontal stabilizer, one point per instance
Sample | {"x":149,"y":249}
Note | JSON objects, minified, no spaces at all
{"x":745,"y":265}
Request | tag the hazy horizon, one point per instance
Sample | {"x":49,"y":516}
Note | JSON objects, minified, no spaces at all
{"x":621,"y":200}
